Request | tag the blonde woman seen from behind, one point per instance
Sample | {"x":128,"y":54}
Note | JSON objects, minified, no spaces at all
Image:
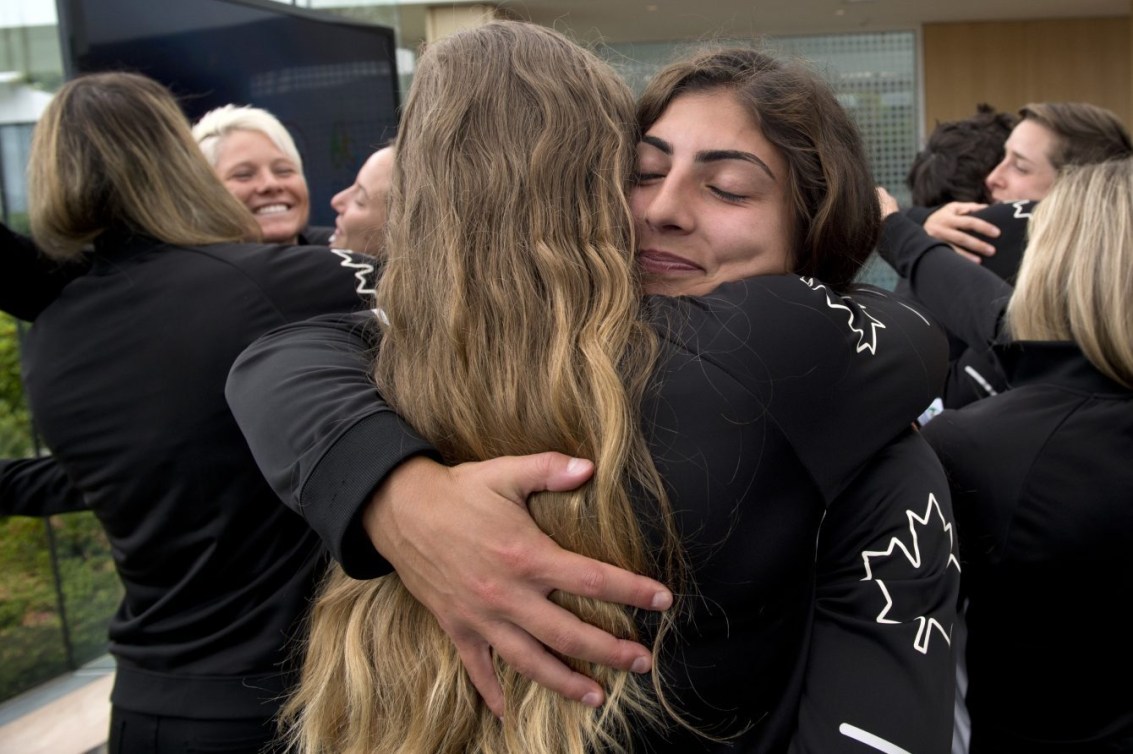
{"x":577,"y":374}
{"x":125,"y":371}
{"x":1040,"y":472}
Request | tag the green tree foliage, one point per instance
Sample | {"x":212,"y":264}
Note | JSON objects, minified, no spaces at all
{"x":33,"y":645}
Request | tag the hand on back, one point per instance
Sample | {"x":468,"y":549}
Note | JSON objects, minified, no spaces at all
{"x":475,"y":558}
{"x":955,"y":224}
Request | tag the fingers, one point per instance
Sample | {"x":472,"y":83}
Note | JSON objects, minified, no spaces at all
{"x":965,"y":208}
{"x":969,"y":243}
{"x":558,"y":568}
{"x":577,"y":574}
{"x":477,"y":659}
{"x":563,"y":632}
{"x":520,"y":476}
{"x":531,"y":659}
{"x":473,"y":556}
{"x":953,"y":224}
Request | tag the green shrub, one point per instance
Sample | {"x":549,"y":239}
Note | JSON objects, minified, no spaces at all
{"x":15,"y":423}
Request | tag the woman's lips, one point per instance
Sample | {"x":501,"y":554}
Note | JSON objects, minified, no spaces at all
{"x":663,"y":263}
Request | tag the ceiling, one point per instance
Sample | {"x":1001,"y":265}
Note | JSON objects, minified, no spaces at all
{"x":615,"y":21}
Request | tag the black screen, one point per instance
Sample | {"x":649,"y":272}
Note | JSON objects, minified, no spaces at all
{"x":331,"y":81}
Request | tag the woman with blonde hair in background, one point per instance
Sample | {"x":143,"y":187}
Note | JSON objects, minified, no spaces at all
{"x":727,"y":432}
{"x":1040,"y":473}
{"x":255,"y":157}
{"x":124,"y":372}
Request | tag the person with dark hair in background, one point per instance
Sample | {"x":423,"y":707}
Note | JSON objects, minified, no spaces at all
{"x":957,"y":158}
{"x":751,"y":438}
{"x":124,"y":372}
{"x":953,"y":167}
{"x":1040,"y":473}
{"x":1047,"y":137}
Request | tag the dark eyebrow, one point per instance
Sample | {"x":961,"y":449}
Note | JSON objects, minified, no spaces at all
{"x":661,"y":144}
{"x":713,"y":155}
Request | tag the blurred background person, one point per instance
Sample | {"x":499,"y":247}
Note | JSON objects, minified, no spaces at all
{"x":1048,"y":136}
{"x":1040,"y":473}
{"x":258,"y":154}
{"x":124,"y":372}
{"x":363,"y":206}
{"x":953,"y":167}
{"x":957,"y":158}
{"x":257,"y":160}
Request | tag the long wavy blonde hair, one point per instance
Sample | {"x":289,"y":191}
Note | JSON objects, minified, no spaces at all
{"x":513,"y":327}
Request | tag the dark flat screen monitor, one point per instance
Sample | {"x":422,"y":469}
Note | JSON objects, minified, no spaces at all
{"x":331,"y":81}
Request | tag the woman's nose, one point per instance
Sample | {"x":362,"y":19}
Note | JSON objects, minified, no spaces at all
{"x":995,"y":177}
{"x":670,"y":206}
{"x":267,"y":182}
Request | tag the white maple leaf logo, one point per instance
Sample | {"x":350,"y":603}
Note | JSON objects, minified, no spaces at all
{"x":363,"y":271}
{"x":867,"y":341}
{"x":912,"y":552}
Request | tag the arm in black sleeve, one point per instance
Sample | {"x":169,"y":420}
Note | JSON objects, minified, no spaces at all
{"x":918,"y":214}
{"x":29,"y":281}
{"x":319,"y":431}
{"x":880,"y":670}
{"x":36,"y":487}
{"x":841,"y":375}
{"x":962,"y":296}
{"x":1011,"y":218}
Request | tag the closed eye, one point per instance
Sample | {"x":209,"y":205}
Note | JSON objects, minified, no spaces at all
{"x":727,"y":196}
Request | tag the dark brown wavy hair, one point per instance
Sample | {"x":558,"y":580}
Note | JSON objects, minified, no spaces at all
{"x":830,"y":188}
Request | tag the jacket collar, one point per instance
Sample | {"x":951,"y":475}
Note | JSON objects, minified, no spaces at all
{"x":1030,"y":362}
{"x":119,"y":244}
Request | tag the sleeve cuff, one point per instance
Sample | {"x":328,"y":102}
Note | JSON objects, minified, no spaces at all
{"x":334,"y":495}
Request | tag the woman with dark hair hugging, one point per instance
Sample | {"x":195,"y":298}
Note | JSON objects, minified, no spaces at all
{"x":750,"y":436}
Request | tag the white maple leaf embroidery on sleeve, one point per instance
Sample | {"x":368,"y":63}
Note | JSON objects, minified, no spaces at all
{"x":912,"y":552}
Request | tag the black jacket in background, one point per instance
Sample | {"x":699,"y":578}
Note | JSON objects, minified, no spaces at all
{"x":1042,"y":484}
{"x":30,"y":281}
{"x":125,"y":374}
{"x":973,"y":372}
